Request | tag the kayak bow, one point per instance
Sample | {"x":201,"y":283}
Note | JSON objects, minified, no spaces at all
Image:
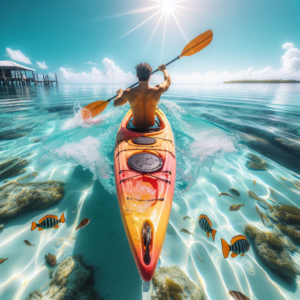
{"x":145,"y":171}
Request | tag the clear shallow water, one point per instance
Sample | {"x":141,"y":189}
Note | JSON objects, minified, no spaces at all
{"x":216,"y":127}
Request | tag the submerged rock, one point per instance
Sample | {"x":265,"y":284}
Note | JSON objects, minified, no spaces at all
{"x":16,"y":198}
{"x":72,"y":281}
{"x":287,"y":218}
{"x":13,"y":167}
{"x":288,"y":215}
{"x":50,"y":260}
{"x":173,"y":284}
{"x":16,"y":132}
{"x":272,"y":252}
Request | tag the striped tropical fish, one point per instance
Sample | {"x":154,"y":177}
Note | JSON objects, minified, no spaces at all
{"x":239,"y":245}
{"x":48,"y":222}
{"x":205,"y":224}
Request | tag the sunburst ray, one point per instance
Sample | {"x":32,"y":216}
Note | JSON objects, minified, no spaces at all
{"x":180,"y":27}
{"x":153,"y":33}
{"x":139,"y":25}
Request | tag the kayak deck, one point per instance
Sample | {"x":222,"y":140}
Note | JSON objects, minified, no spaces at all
{"x":145,"y":197}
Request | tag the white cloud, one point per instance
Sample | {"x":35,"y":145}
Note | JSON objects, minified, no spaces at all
{"x":91,"y":63}
{"x":290,"y":69}
{"x":18,"y":56}
{"x":111,"y":74}
{"x":42,"y":65}
{"x":287,"y":46}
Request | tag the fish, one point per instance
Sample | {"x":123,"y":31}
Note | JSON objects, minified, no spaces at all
{"x":253,"y":195}
{"x":48,"y":222}
{"x":283,"y":178}
{"x":272,"y":200}
{"x":27,"y":243}
{"x":83,"y":223}
{"x":238,"y":295}
{"x":295,"y":175}
{"x":236,"y":207}
{"x":272,"y":191}
{"x":199,"y":256}
{"x":50,"y":260}
{"x":205,"y":224}
{"x":254,"y":182}
{"x":262,"y":216}
{"x":186,"y":231}
{"x":2,"y":260}
{"x":296,"y":184}
{"x":186,"y":217}
{"x":224,"y":194}
{"x":234,"y":192}
{"x":239,"y":245}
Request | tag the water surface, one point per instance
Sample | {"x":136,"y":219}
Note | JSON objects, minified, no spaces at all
{"x":217,"y":127}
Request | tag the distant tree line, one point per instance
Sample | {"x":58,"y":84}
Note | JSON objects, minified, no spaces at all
{"x":264,"y":81}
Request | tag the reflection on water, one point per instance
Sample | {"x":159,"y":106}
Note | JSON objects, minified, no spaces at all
{"x":242,"y":137}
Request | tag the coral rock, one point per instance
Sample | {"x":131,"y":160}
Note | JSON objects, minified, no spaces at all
{"x":173,"y":284}
{"x":72,"y":281}
{"x":288,"y":215}
{"x":16,"y":198}
{"x":272,"y":252}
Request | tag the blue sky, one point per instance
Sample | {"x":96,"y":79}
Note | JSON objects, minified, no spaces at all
{"x":65,"y":35}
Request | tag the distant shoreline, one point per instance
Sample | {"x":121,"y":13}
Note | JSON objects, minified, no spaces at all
{"x":264,"y":81}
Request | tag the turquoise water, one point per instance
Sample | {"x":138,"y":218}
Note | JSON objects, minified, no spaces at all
{"x":217,"y":128}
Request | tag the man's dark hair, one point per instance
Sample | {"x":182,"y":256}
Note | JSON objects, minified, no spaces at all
{"x":143,"y":71}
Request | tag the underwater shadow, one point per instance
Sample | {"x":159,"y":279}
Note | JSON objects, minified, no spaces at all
{"x":103,"y":243}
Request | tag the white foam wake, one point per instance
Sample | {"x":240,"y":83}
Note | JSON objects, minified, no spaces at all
{"x":86,"y":154}
{"x":77,"y":120}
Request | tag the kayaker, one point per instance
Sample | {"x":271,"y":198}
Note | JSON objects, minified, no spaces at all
{"x":143,"y":98}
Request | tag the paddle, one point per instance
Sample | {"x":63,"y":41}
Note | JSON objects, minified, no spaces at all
{"x":196,"y":45}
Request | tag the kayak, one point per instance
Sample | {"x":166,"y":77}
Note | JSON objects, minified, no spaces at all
{"x":145,"y":171}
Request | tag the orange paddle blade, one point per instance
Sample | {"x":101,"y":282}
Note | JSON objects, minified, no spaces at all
{"x":197,"y":44}
{"x":93,"y":109}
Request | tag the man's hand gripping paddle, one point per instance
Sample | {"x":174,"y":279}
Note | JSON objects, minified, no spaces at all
{"x":193,"y":47}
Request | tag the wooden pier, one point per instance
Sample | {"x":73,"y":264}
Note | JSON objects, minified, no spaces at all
{"x":46,"y":80}
{"x":14,"y":74}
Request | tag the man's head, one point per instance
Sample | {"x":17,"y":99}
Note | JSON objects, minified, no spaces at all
{"x":143,"y":71}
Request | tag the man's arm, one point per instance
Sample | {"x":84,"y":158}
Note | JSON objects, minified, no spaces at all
{"x":164,"y":86}
{"x":122,"y":98}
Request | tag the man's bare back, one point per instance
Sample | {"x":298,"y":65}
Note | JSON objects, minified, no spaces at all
{"x":143,"y":99}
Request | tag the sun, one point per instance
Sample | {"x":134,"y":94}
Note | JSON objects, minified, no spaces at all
{"x":168,"y":6}
{"x":165,"y":11}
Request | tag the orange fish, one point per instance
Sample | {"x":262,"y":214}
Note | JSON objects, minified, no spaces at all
{"x":239,"y":245}
{"x":48,"y":222}
{"x":205,"y":224}
{"x":254,"y":182}
{"x":83,"y":223}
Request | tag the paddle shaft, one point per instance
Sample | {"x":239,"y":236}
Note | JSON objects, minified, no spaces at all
{"x":151,"y":74}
